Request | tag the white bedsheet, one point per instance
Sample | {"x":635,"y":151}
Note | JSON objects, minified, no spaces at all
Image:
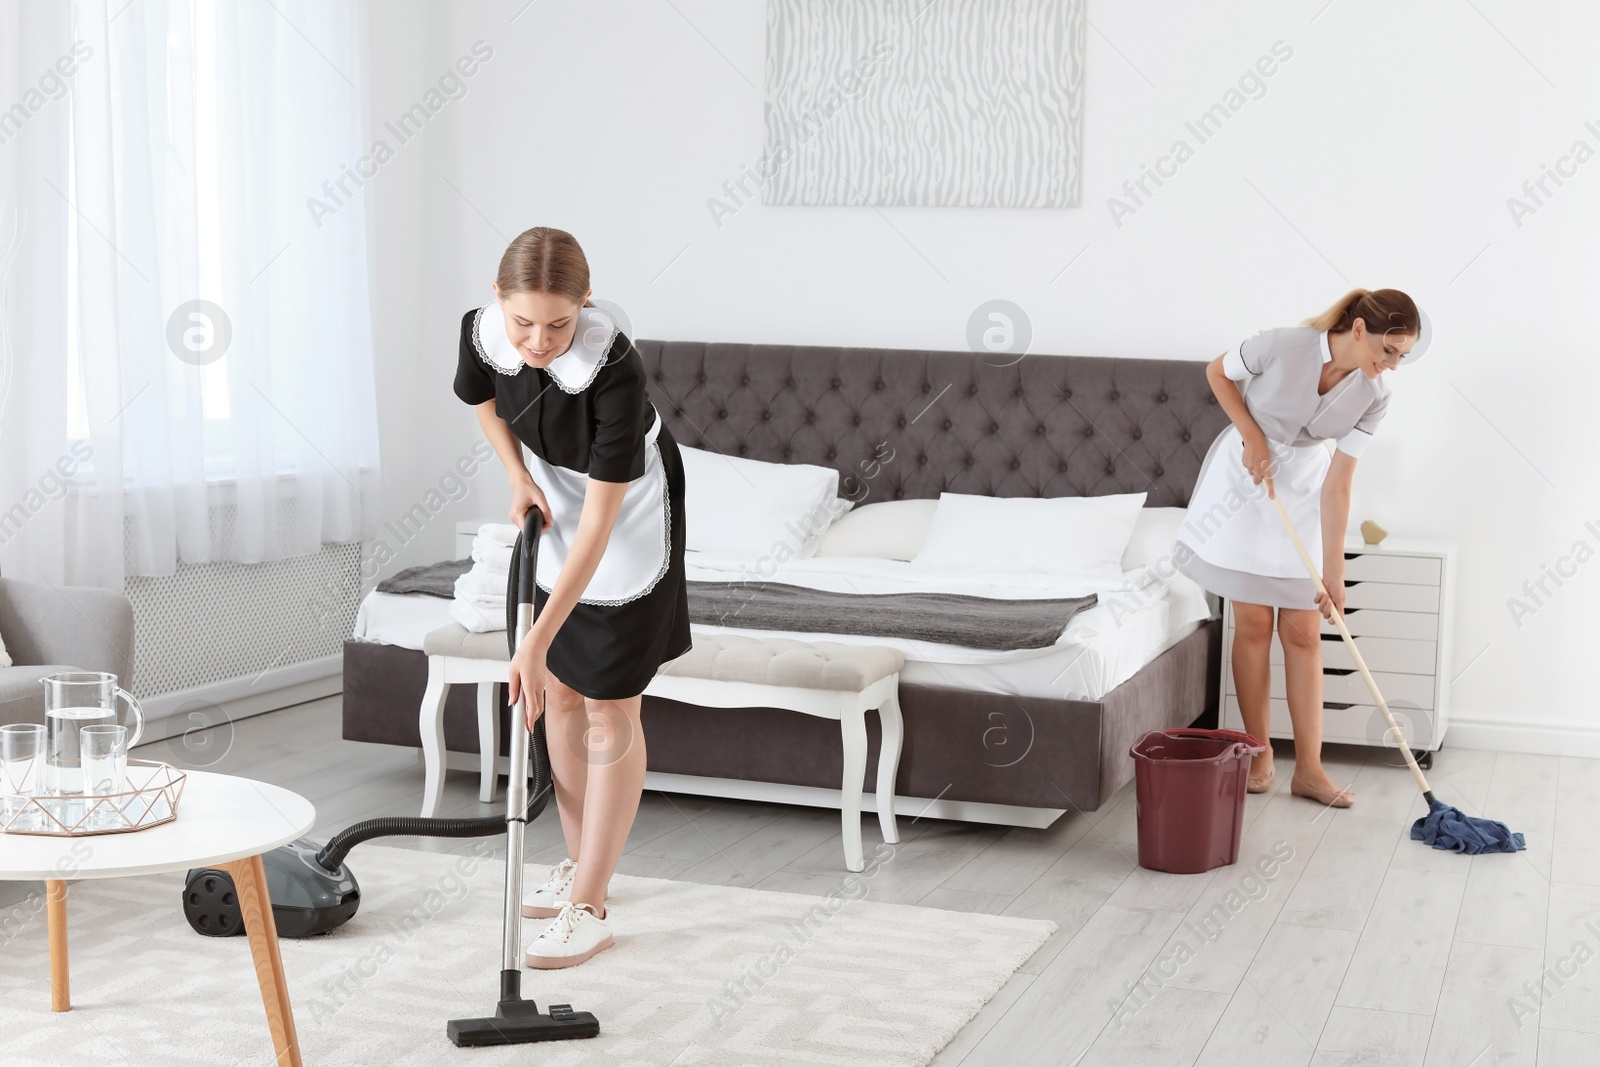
{"x":402,"y":619}
{"x":1137,"y":619}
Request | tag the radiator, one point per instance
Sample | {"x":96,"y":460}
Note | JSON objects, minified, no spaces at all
{"x":218,"y":622}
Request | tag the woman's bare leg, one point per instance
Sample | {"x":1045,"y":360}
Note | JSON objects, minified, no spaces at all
{"x":1252,"y":678}
{"x":614,"y":745}
{"x":564,"y":718}
{"x":1300,"y":633}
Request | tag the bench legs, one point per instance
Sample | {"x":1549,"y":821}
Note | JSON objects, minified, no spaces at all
{"x":488,"y":741}
{"x":430,"y":725}
{"x":853,"y":730}
{"x":888,"y":763}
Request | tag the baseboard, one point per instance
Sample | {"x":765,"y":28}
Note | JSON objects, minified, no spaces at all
{"x":1536,"y":738}
{"x":173,"y":714}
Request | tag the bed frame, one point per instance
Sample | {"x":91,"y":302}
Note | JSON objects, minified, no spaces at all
{"x":901,"y":425}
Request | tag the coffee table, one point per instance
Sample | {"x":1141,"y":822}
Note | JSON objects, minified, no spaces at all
{"x":223,"y":821}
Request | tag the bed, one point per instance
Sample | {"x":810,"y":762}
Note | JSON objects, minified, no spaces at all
{"x":1009,"y":737}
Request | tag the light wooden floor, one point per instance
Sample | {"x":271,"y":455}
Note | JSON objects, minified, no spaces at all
{"x":1363,"y":948}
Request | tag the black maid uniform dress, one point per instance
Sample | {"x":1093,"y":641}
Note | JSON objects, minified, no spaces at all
{"x":587,"y":414}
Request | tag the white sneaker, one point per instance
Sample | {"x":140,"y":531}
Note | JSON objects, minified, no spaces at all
{"x":545,"y":902}
{"x":576,"y":933}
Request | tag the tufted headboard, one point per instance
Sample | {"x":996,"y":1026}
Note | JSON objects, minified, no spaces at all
{"x":900,"y":424}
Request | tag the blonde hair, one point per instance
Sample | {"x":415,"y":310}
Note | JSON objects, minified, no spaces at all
{"x":1383,"y":310}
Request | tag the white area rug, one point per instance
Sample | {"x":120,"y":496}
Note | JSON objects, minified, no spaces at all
{"x":700,"y":975}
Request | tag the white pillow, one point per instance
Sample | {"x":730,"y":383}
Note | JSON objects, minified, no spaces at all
{"x":1153,"y":536}
{"x":889,"y":529}
{"x":757,"y":509}
{"x":1055,"y":535}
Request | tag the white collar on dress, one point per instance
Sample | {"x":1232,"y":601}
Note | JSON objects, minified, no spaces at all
{"x":1322,"y":343}
{"x":572,"y":371}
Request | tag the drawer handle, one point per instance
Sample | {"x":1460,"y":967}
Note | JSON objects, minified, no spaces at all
{"x":1335,"y":705}
{"x":1340,"y":671}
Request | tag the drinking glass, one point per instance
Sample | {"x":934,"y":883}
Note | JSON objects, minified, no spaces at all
{"x":74,"y":701}
{"x":104,"y":751}
{"x":21,"y":755}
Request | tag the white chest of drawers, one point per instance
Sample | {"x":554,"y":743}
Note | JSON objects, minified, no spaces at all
{"x":1398,"y":606}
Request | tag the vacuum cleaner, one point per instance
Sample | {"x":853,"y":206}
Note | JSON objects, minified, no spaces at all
{"x":313,"y":891}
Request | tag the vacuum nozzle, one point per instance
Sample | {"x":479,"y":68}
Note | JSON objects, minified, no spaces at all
{"x":520,"y":1022}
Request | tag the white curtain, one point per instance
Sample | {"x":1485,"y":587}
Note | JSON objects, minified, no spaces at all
{"x":244,"y":427}
{"x":33,"y":270}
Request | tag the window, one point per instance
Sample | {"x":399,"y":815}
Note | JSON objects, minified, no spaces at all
{"x":207,"y":256}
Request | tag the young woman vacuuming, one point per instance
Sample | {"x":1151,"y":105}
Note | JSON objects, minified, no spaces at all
{"x":548,"y":370}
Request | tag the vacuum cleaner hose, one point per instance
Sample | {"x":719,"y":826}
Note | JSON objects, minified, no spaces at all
{"x":333,"y":854}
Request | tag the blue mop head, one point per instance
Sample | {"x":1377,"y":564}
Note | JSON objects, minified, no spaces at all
{"x":1452,"y":830}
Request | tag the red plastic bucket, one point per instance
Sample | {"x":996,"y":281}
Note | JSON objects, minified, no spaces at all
{"x":1190,"y":787}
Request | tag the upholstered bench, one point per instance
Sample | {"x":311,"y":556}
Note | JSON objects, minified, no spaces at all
{"x":457,"y":656}
{"x":833,"y":681}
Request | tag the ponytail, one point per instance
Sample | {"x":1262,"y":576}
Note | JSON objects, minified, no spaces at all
{"x":1383,"y":310}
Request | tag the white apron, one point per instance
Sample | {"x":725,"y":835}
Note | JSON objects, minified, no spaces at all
{"x":636,"y":556}
{"x":1231,"y":521}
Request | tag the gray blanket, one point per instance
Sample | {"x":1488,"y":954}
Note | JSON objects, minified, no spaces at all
{"x":430,"y":579}
{"x":947,"y":618}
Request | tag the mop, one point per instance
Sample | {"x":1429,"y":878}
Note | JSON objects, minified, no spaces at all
{"x":1444,"y":827}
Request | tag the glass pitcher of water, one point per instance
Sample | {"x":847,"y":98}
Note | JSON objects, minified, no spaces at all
{"x":72,"y":701}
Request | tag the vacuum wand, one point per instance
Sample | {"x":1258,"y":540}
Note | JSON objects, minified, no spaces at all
{"x":517,"y":783}
{"x":517,"y":1021}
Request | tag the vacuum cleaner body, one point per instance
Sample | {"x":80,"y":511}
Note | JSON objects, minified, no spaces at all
{"x":307,"y":898}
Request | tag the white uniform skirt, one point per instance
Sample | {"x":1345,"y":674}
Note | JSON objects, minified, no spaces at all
{"x":1238,"y":547}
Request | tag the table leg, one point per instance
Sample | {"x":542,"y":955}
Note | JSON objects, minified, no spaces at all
{"x":250,"y":882}
{"x":56,"y":918}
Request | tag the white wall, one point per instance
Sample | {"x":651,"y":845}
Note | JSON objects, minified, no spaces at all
{"x":1382,"y":153}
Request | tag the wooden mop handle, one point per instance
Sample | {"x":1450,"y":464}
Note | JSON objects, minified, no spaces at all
{"x":1344,"y":631}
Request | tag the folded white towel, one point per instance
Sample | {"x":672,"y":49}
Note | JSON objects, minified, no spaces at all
{"x":497,"y":558}
{"x":498,"y":533}
{"x":480,"y":619}
{"x":481,"y":582}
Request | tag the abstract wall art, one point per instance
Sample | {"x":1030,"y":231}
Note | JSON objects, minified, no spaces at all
{"x":939,"y":103}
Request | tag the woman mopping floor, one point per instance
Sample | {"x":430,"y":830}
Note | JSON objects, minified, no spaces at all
{"x":1287,"y":392}
{"x":548,"y":370}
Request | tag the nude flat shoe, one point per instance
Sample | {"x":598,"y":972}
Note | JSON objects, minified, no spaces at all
{"x":1261,"y":783}
{"x":1333,"y":798}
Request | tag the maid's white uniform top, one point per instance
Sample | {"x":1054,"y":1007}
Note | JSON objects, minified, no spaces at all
{"x":1238,"y":546}
{"x":564,"y":451}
